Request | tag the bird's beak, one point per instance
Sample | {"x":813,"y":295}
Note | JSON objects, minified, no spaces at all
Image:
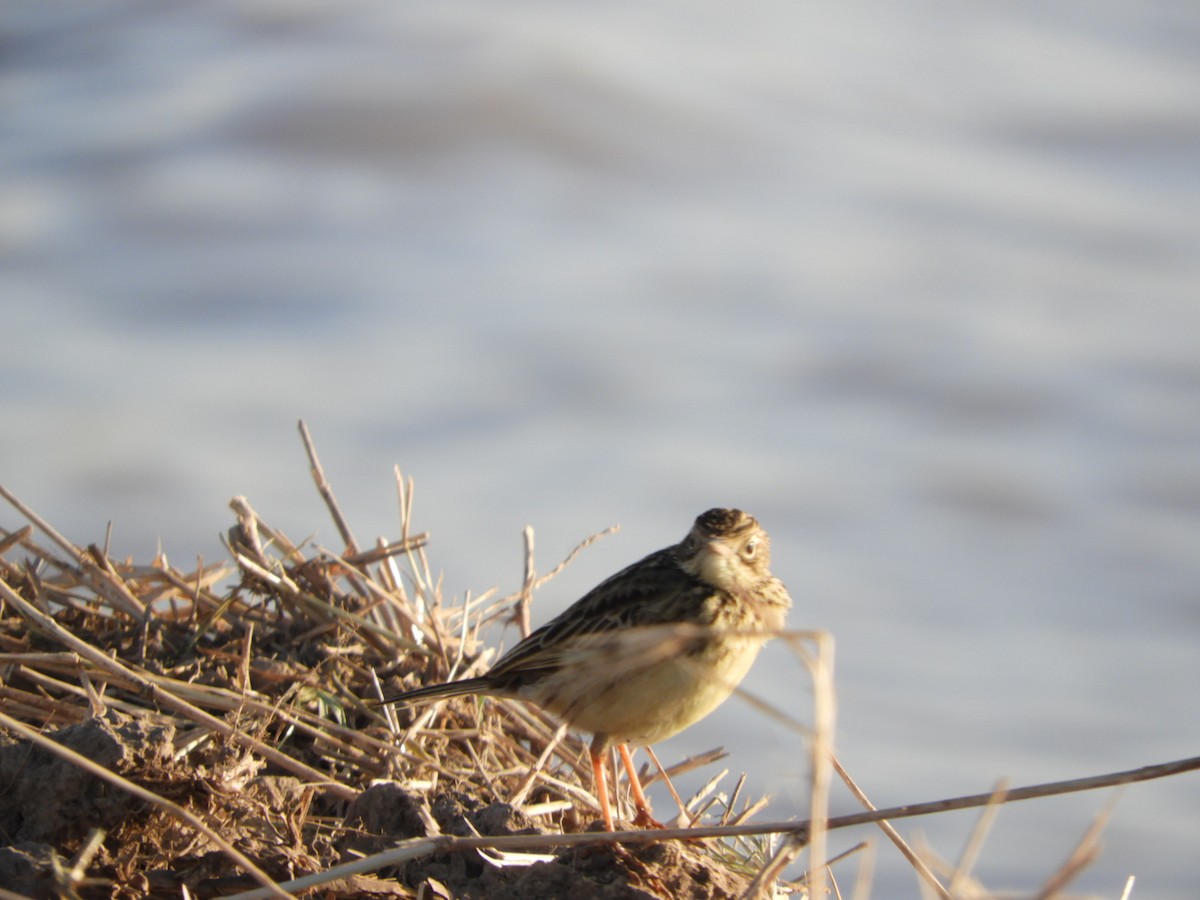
{"x":720,"y":548}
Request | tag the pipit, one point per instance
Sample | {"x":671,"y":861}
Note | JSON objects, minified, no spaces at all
{"x":651,"y":650}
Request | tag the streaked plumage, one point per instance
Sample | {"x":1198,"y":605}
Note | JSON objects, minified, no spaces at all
{"x":652,"y":649}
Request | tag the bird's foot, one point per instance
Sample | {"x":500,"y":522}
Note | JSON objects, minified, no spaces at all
{"x":643,"y":819}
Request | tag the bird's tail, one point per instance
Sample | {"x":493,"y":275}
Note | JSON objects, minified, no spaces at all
{"x":433,"y":692}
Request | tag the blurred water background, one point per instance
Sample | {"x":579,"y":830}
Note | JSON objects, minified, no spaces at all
{"x":916,"y":284}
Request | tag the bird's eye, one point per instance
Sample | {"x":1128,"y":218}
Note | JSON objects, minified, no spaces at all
{"x":750,"y":549}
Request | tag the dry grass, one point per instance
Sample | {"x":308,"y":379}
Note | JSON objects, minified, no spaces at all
{"x":212,"y":734}
{"x":259,"y":674}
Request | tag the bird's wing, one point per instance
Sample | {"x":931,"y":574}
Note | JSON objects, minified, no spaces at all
{"x":653,"y":591}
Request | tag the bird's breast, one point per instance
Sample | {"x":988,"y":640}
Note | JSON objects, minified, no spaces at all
{"x":646,"y":701}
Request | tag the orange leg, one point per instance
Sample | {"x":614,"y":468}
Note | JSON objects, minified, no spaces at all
{"x":601,"y":785}
{"x":643,"y":819}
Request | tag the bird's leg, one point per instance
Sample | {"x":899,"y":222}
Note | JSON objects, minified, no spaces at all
{"x":598,"y":752}
{"x":643,"y":819}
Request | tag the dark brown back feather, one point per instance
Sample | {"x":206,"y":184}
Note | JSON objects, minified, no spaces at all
{"x":631,"y":598}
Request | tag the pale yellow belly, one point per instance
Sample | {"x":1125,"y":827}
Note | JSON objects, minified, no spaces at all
{"x":642,"y":704}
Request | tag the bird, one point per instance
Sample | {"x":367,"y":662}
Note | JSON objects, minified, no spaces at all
{"x":649,"y":651}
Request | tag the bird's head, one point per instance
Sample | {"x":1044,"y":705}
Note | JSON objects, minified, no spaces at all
{"x":728,"y":549}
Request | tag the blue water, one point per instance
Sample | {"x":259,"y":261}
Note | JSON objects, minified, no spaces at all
{"x":916,"y":285}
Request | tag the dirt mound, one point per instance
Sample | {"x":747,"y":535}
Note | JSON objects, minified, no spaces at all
{"x":222,"y":713}
{"x":52,"y":806}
